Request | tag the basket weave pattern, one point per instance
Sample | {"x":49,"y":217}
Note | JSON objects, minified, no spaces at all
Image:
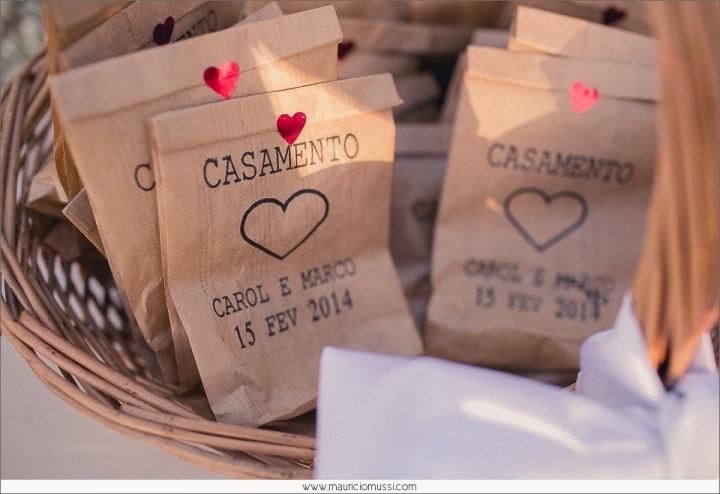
{"x":65,"y":319}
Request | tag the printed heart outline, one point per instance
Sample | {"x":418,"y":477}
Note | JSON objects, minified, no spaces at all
{"x":289,"y":127}
{"x":223,"y":80}
{"x":547,"y":199}
{"x":284,"y":207}
{"x":582,"y":97}
{"x":162,"y":34}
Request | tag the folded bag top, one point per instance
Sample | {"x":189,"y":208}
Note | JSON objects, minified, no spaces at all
{"x":68,"y":20}
{"x":147,"y":24}
{"x":571,"y":37}
{"x":141,"y":22}
{"x":612,"y":79}
{"x":179,"y":67}
{"x":258,"y":114}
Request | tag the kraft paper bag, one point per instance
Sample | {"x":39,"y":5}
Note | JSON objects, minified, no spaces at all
{"x":276,"y":239}
{"x":420,"y":157}
{"x":416,"y":91}
{"x":353,"y":63}
{"x":149,"y":23}
{"x":138,"y":25}
{"x":80,"y":214}
{"x":405,"y":38}
{"x":543,"y":206}
{"x":535,"y":30}
{"x":104,"y":108}
{"x":496,"y":38}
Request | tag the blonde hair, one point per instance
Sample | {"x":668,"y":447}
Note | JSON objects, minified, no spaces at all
{"x":676,"y":285}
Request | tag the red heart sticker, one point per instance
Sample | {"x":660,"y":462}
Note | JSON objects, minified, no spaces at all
{"x":290,"y":127}
{"x":612,"y":15}
{"x":344,"y":48}
{"x":222,"y":80}
{"x":582,"y":97}
{"x":163,"y":31}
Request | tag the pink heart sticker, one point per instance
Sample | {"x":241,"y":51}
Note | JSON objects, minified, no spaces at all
{"x":582,"y":97}
{"x":290,"y":127}
{"x":222,"y":80}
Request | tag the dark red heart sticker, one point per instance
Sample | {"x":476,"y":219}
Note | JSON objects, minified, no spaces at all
{"x":222,"y":79}
{"x":290,"y":127}
{"x":582,"y":97}
{"x":612,"y":15}
{"x":163,"y":31}
{"x":345,"y":48}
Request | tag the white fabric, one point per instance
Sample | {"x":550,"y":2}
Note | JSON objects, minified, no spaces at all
{"x":389,"y":417}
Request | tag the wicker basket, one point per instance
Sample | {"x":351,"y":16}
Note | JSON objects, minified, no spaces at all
{"x":65,"y":319}
{"x":75,"y":337}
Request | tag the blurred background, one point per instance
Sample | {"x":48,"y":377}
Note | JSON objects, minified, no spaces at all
{"x":21,"y":34}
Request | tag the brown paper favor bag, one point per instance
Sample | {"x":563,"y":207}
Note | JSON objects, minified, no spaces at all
{"x":497,"y":38}
{"x":80,"y":214}
{"x":149,"y":23}
{"x":405,"y":38}
{"x":355,"y":63}
{"x":420,"y":157}
{"x":535,"y":30}
{"x":543,"y":207}
{"x":104,"y":108}
{"x":416,"y":91}
{"x":139,"y":25}
{"x":275,"y":250}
